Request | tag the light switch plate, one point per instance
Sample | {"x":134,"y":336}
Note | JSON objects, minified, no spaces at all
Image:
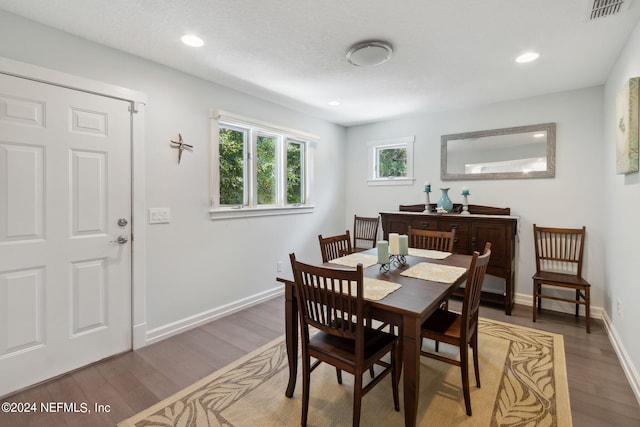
{"x":159,"y":215}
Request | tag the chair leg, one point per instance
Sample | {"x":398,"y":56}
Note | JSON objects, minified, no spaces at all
{"x":587,"y":311}
{"x":306,"y":377}
{"x":577,"y":302}
{"x":339,"y":375}
{"x":464,"y":367}
{"x":535,"y":300}
{"x":476,"y":366}
{"x":395,"y":376}
{"x":357,"y":398}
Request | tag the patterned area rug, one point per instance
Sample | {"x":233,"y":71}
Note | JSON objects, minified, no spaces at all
{"x":522,"y":373}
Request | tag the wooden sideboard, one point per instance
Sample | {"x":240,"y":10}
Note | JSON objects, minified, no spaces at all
{"x":472,"y":232}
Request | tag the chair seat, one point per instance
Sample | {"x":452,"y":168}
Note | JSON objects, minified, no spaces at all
{"x":343,"y":349}
{"x":560,"y":279}
{"x":442,"y":323}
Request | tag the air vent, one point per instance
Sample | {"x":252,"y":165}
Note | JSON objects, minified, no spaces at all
{"x":604,"y":8}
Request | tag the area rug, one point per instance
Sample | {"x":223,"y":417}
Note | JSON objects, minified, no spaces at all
{"x":522,"y":373}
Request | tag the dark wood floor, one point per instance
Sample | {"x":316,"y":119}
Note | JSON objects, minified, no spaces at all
{"x":599,"y":391}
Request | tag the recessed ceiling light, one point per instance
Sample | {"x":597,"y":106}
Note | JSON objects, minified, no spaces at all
{"x":334,"y":103}
{"x":527,"y":57}
{"x":191,"y":40}
{"x":369,"y":53}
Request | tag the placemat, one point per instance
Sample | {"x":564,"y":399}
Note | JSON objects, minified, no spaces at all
{"x":353,"y":260}
{"x":428,"y":253}
{"x":375,"y":289}
{"x":435,"y":272}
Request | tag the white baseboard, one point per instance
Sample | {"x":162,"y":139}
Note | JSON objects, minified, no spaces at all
{"x":627,"y":364}
{"x":162,"y":332}
{"x":597,"y":313}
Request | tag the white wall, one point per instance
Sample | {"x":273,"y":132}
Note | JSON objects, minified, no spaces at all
{"x":575,"y":197}
{"x":195,"y":266}
{"x":621,"y":225}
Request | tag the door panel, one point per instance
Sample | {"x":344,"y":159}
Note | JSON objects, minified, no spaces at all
{"x":65,"y":283}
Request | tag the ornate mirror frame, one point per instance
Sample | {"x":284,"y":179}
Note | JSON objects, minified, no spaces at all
{"x":499,"y":143}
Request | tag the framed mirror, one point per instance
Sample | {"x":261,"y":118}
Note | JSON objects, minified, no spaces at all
{"x":509,"y":153}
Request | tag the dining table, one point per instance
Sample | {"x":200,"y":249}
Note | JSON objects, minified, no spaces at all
{"x":406,"y":308}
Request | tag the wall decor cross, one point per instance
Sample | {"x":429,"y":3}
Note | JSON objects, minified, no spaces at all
{"x":180,"y":145}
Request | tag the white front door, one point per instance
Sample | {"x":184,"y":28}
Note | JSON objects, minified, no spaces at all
{"x":65,"y":214}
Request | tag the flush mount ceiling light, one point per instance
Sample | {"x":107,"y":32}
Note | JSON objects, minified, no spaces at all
{"x":191,"y":40}
{"x":369,"y":53}
{"x":527,"y":57}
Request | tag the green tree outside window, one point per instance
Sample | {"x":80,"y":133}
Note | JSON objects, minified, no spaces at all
{"x":266,"y":170}
{"x":232,"y":166}
{"x":392,"y":162}
{"x":295,"y":163}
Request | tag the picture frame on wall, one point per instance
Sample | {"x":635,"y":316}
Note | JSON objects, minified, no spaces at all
{"x":627,"y":127}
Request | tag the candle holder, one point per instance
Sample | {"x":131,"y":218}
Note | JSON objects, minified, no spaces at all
{"x":396,"y":260}
{"x":465,"y":202}
{"x":427,"y":190}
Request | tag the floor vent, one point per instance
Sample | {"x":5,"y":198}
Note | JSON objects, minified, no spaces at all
{"x":604,"y":8}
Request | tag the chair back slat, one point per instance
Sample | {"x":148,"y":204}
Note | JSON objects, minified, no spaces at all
{"x":335,"y":246}
{"x":330,"y":299}
{"x":365,"y":232}
{"x":559,"y":250}
{"x":473,"y":290}
{"x":434,"y":240}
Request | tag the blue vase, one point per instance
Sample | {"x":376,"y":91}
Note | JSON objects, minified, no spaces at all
{"x":445,"y":202}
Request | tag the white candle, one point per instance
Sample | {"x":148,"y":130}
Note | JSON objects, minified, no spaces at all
{"x":394,"y":243}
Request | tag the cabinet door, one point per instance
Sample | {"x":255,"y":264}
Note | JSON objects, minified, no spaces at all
{"x":483,"y":232}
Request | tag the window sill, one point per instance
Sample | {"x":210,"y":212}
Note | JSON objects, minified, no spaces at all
{"x":228,"y":213}
{"x":391,"y":181}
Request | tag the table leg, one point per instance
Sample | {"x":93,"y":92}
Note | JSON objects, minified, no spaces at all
{"x":291,"y":335}
{"x":411,"y":361}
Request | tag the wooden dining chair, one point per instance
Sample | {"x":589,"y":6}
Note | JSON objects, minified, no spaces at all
{"x":365,"y":232}
{"x":461,"y":330}
{"x":559,"y":259}
{"x":429,"y":239}
{"x":335,"y":246}
{"x":331,"y":301}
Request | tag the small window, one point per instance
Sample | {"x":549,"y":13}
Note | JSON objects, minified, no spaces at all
{"x":233,"y":146}
{"x":267,"y":169}
{"x":391,"y":162}
{"x":258,"y":169}
{"x":295,"y":172}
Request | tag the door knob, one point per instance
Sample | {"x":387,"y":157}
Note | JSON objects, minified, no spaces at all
{"x":121,"y":239}
{"x":122,"y":222}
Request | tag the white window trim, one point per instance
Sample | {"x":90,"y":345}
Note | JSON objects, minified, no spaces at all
{"x":253,"y":210}
{"x":406,"y":142}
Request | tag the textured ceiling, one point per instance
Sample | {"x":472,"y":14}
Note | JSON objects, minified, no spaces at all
{"x":447,"y":54}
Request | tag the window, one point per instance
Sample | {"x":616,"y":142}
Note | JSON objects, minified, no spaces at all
{"x":258,"y":169}
{"x":391,"y":162}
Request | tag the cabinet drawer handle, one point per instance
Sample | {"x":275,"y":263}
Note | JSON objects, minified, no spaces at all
{"x":454,"y":226}
{"x":424,"y":224}
{"x":455,"y":240}
{"x":474,"y":241}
